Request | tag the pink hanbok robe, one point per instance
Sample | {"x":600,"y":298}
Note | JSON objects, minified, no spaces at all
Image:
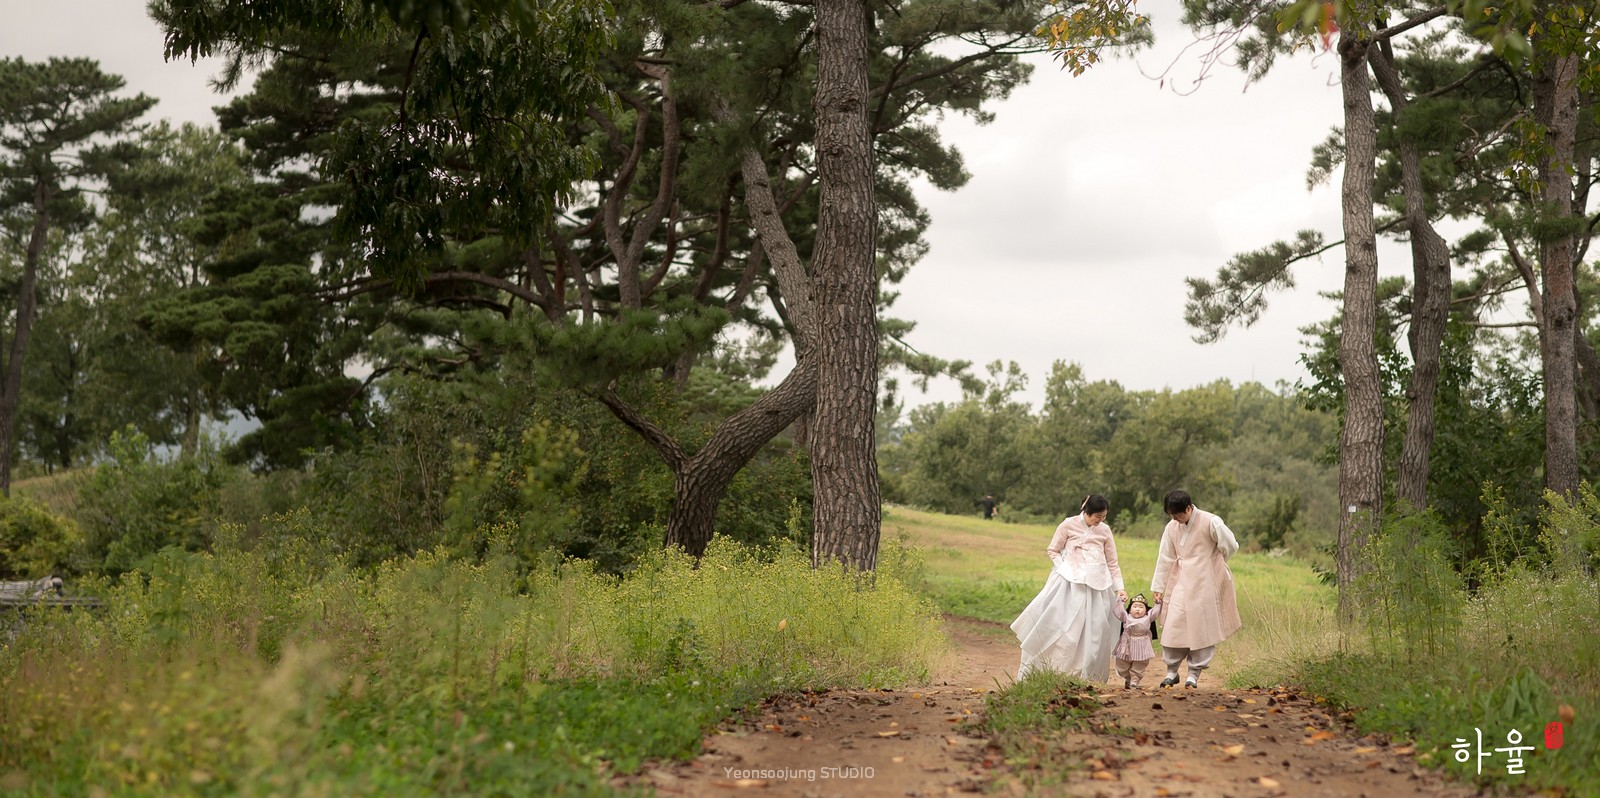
{"x":1192,"y":571}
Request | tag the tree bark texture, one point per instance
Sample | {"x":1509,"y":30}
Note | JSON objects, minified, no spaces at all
{"x":1361,"y":437}
{"x":844,"y":466}
{"x":1555,"y":109}
{"x":1430,"y":305}
{"x":698,"y":487}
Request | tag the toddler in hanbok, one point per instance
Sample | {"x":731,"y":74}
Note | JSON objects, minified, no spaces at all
{"x":1133,"y":651}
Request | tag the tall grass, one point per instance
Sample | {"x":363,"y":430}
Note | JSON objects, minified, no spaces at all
{"x":1435,"y":664}
{"x":254,"y":673}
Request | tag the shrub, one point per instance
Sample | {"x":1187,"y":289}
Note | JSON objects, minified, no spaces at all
{"x":139,"y":503}
{"x":35,"y":542}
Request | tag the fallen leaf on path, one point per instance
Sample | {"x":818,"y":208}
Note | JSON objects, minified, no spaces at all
{"x":1365,"y":749}
{"x":1104,"y":775}
{"x":773,"y":727}
{"x":1234,"y":749}
{"x":1236,"y":730}
{"x":1252,"y":700}
{"x":1220,"y":708}
{"x":1374,"y":763}
{"x":897,"y":760}
{"x":1406,"y":750}
{"x":893,"y":733}
{"x":1324,"y":735}
{"x":1268,"y":782}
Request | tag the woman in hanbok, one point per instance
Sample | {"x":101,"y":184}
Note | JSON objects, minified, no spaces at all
{"x":1070,"y":626}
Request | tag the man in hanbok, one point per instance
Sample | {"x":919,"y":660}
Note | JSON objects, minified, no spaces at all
{"x":1193,"y":583}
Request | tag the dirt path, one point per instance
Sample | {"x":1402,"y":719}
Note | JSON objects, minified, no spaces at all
{"x":1204,"y":743}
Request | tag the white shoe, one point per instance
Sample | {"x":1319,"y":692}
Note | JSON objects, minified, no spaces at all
{"x":1192,"y":681}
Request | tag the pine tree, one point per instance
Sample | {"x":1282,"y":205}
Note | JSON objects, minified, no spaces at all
{"x":61,"y":127}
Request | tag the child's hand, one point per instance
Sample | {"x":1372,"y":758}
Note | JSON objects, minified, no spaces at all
{"x":1123,"y":596}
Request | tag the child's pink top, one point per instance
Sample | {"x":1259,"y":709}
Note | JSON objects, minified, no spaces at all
{"x":1134,"y":645}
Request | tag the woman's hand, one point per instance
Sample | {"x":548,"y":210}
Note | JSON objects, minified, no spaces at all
{"x":1156,"y":597}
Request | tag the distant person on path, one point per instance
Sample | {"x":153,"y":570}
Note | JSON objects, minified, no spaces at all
{"x":989,"y":505}
{"x":1070,"y":626}
{"x":1192,"y":580}
{"x":1134,"y":651}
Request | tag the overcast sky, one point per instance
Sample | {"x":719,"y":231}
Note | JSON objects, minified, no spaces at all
{"x":1091,"y":199}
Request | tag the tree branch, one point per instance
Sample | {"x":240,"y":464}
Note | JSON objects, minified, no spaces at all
{"x":665,"y":445}
{"x":1529,"y":279}
{"x":1420,"y":19}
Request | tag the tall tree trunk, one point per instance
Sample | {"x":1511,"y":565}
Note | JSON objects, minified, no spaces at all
{"x":26,"y":305}
{"x":191,"y":424}
{"x":1361,"y":438}
{"x":1430,"y":306}
{"x":844,"y":464}
{"x":1555,"y":101}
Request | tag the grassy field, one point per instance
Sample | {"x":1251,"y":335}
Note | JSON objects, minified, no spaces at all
{"x":991,"y":570}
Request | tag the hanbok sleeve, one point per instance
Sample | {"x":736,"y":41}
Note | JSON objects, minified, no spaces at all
{"x":1166,"y":555}
{"x":1111,"y":561}
{"x":1226,"y":542}
{"x":1058,"y":541}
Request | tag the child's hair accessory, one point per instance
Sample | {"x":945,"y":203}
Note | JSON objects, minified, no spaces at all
{"x":1139,"y":599}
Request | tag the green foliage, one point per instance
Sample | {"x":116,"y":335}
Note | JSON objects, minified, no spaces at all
{"x":1247,"y":453}
{"x":522,"y":492}
{"x":1239,"y":293}
{"x":1505,"y":657}
{"x":276,"y":668}
{"x":138,"y":503}
{"x":35,"y":542}
{"x":1569,"y":531}
{"x":1489,"y":423}
{"x":457,"y":463}
{"x":1407,"y":590}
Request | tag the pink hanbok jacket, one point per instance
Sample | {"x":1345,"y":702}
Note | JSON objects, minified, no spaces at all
{"x":1086,"y":554}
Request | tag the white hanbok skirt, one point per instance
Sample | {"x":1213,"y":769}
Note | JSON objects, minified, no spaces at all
{"x":1068,"y":627}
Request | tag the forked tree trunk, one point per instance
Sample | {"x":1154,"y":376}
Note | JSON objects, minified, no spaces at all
{"x":700,"y":481}
{"x":1430,"y":306}
{"x":1361,"y":437}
